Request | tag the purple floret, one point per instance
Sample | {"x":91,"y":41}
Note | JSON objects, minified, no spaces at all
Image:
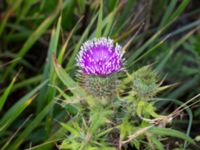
{"x":100,"y":57}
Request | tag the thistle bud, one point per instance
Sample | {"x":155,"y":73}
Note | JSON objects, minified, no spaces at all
{"x":145,"y":82}
{"x":100,"y":61}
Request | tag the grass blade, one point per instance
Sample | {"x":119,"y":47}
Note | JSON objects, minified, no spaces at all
{"x":48,"y":70}
{"x":18,"y":108}
{"x":173,"y":48}
{"x":100,"y":20}
{"x":32,"y":39}
{"x":172,"y":133}
{"x":4,"y":97}
{"x":33,"y":124}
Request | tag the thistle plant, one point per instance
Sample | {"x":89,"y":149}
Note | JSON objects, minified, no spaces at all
{"x":100,"y":62}
{"x":130,"y":115}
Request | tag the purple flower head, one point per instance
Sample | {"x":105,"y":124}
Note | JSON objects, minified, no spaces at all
{"x":100,"y":57}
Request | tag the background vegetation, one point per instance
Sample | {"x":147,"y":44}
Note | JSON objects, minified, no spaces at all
{"x":36,"y":93}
